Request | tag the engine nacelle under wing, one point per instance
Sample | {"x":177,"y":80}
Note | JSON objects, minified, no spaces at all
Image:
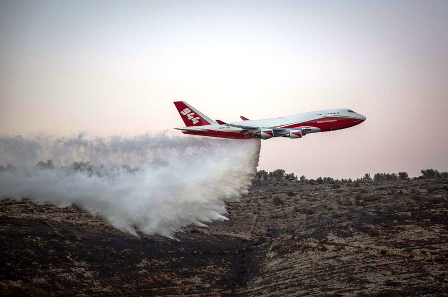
{"x":266,"y":133}
{"x":295,"y":134}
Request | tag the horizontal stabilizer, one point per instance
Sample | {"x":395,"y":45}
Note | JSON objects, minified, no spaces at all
{"x":221,"y":122}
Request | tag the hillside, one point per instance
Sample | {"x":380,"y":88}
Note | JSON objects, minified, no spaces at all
{"x":284,"y":238}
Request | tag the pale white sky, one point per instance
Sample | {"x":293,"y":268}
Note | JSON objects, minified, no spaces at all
{"x":115,"y":67}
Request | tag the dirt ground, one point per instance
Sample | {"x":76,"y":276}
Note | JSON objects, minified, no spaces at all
{"x":283,"y":239}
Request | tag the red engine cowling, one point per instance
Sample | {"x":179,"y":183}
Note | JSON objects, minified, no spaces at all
{"x":266,"y":133}
{"x":295,"y":134}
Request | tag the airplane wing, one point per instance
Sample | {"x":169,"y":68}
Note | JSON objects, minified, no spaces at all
{"x":277,"y":131}
{"x":245,"y":127}
{"x":254,"y":130}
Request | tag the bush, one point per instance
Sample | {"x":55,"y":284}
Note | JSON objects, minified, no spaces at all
{"x":291,"y":176}
{"x":320,"y":180}
{"x":371,"y":197}
{"x":336,"y":186}
{"x":378,"y":177}
{"x":391,"y":176}
{"x":415,"y":195}
{"x":346,"y":202}
{"x":373,"y":232}
{"x":430,"y":173}
{"x":360,"y":203}
{"x":435,"y":200}
{"x":304,"y":211}
{"x":356,"y":184}
{"x":278,"y":174}
{"x":403,"y":175}
{"x":328,"y":180}
{"x":262,"y":175}
{"x":367,"y":177}
{"x":277,"y":201}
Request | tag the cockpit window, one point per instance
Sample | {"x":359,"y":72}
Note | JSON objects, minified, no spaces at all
{"x":350,"y":110}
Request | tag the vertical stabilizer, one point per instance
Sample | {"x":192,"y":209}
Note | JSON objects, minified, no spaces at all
{"x":191,"y":116}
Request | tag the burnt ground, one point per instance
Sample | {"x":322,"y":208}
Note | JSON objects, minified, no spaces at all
{"x":283,"y":239}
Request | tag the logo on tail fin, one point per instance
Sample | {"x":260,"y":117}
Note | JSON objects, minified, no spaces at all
{"x":190,"y":115}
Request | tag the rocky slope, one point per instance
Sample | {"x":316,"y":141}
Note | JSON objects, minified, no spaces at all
{"x":283,"y":239}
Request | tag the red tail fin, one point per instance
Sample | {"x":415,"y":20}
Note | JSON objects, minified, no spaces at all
{"x":191,"y":116}
{"x":244,"y":118}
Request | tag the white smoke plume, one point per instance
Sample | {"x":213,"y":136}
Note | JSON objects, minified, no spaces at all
{"x":167,"y":183}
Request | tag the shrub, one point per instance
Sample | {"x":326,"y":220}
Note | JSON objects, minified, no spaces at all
{"x":378,"y":177}
{"x":430,"y":173}
{"x":403,"y":175}
{"x":444,"y":174}
{"x":303,"y":178}
{"x":435,"y":200}
{"x":320,"y":180}
{"x":336,"y":186}
{"x":356,"y":184}
{"x":346,"y":202}
{"x":415,"y":195}
{"x":305,"y":211}
{"x":415,"y":191}
{"x":277,"y":174}
{"x":291,"y":193}
{"x":291,"y":176}
{"x":277,"y":201}
{"x":328,"y":180}
{"x":367,"y":177}
{"x":42,"y":165}
{"x":431,"y":189}
{"x":262,"y":175}
{"x":371,"y":197}
{"x":360,"y":203}
{"x":373,"y":232}
{"x":391,"y":176}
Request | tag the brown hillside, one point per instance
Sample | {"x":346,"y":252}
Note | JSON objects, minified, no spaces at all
{"x":283,"y":239}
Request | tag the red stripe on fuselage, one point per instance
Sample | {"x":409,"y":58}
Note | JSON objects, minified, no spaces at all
{"x":328,"y":123}
{"x":212,"y":133}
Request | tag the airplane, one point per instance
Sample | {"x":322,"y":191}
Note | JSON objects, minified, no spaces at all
{"x":294,"y":126}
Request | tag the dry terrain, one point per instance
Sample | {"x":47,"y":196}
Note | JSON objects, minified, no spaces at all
{"x":283,"y":239}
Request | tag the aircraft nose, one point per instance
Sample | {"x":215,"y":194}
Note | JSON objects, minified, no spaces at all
{"x":361,"y":117}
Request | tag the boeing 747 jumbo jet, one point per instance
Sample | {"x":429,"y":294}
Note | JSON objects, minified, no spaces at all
{"x":294,"y":126}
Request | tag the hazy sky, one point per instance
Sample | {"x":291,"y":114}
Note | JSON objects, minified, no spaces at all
{"x":115,"y":67}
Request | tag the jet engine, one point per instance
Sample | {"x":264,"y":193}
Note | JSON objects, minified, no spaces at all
{"x":295,"y":134}
{"x":266,"y":133}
